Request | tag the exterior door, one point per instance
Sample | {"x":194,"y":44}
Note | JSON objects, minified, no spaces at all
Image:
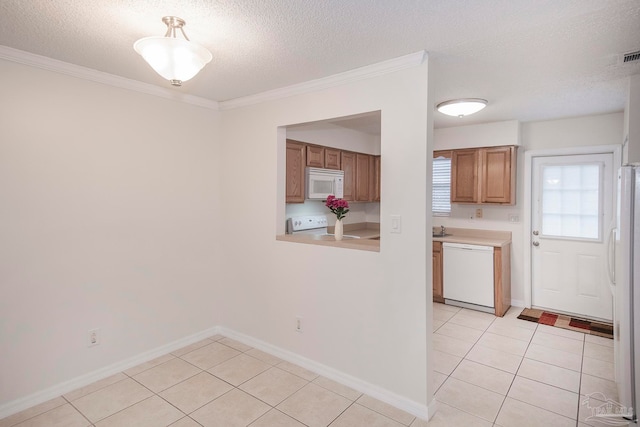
{"x":572,"y":211}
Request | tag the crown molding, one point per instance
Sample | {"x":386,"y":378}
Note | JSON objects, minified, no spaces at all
{"x":362,"y":73}
{"x":50,"y":64}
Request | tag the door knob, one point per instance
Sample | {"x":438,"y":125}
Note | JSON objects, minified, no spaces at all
{"x":536,"y":243}
{"x":535,"y":232}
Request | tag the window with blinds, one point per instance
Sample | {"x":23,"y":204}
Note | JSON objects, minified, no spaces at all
{"x":441,"y":202}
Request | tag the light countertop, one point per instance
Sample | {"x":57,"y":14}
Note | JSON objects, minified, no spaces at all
{"x":472,"y":236}
{"x":368,"y":233}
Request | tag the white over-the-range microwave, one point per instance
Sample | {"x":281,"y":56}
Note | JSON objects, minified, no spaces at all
{"x":323,"y":182}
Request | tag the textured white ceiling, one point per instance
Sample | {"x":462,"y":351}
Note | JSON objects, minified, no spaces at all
{"x":532,"y":59}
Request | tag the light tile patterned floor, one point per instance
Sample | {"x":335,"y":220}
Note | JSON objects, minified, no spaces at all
{"x":506,"y":372}
{"x":489,"y":371}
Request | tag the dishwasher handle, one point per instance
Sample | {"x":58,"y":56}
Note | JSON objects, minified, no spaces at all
{"x":467,"y":247}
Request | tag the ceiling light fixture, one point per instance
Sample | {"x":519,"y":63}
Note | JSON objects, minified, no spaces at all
{"x":176,"y":60}
{"x":461,"y":107}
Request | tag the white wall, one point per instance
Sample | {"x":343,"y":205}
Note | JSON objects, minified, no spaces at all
{"x":109,"y":217}
{"x":481,"y":135}
{"x":574,"y":132}
{"x":365,"y":313}
{"x":334,"y":136}
{"x":631,"y":153}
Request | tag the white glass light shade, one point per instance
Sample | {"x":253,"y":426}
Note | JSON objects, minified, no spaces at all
{"x":174,"y":59}
{"x":461,"y":107}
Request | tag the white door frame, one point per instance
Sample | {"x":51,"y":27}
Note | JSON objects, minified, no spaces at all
{"x":616,"y":150}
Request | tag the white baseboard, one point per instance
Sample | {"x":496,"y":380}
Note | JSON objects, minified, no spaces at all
{"x":57,"y":390}
{"x":517,"y":303}
{"x":417,"y":409}
{"x":414,"y":408}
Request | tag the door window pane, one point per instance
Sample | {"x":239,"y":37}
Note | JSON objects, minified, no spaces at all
{"x":571,"y":200}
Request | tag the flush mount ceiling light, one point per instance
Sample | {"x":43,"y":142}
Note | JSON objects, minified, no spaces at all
{"x":461,"y":107}
{"x":176,"y":60}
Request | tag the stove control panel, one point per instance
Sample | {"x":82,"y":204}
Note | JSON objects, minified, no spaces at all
{"x":308,"y":222}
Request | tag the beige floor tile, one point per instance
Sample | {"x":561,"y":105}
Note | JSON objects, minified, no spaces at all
{"x":480,"y":323}
{"x":597,"y":351}
{"x":503,"y":344}
{"x":62,"y":416}
{"x":450,"y":345}
{"x":508,"y":329}
{"x":216,"y":337}
{"x":303,"y":373}
{"x":483,"y":376}
{"x":437,"y":380}
{"x":148,"y":365}
{"x":152,"y":412}
{"x":265,"y":357}
{"x":558,"y":342}
{"x":442,"y":315}
{"x":336,"y":387}
{"x":109,"y":400}
{"x":446,"y":307}
{"x":544,"y":396}
{"x":470,"y":398}
{"x":448,"y":416}
{"x":385,"y":409}
{"x":210,"y":355}
{"x":495,"y":358}
{"x":239,"y":369}
{"x":275,"y":418}
{"x":549,"y":374}
{"x":185,"y":422}
{"x":561,"y":332}
{"x":460,"y":332}
{"x":443,"y":362}
{"x":75,"y":394}
{"x":32,"y":412}
{"x":314,"y":406}
{"x":191,"y":347}
{"x":607,"y":342}
{"x":235,"y":344}
{"x":598,"y":368}
{"x":166,"y":375}
{"x":520,"y":414}
{"x":510,"y":320}
{"x":586,"y":415}
{"x":273,"y":386}
{"x":554,"y":357}
{"x":195,"y":392}
{"x":591,"y":384}
{"x":359,"y":416}
{"x":477,"y":314}
{"x":234,"y":409}
{"x":436,"y":325}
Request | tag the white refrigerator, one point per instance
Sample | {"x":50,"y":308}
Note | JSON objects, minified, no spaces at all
{"x":625,"y":262}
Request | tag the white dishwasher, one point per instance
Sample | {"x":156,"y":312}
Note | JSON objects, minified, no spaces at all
{"x":468,"y":275}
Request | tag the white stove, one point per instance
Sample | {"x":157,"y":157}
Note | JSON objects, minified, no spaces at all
{"x":311,"y":224}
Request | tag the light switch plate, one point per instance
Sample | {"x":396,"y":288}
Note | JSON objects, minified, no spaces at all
{"x":396,"y":224}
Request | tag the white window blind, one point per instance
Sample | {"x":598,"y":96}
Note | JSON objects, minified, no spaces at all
{"x":441,"y":203}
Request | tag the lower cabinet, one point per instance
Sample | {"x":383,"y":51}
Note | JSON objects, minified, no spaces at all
{"x":437,"y":272}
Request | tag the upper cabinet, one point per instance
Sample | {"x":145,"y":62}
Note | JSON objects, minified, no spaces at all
{"x":315,"y":156}
{"x":332,"y":158}
{"x":295,"y":171}
{"x":364,"y":167}
{"x":484,"y":175}
{"x":348,"y":160}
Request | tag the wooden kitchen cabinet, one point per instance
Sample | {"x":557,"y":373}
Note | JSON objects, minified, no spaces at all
{"x":376,"y":178}
{"x":332,"y":158}
{"x":498,"y":168}
{"x":315,"y":156}
{"x":295,"y":164}
{"x":483,"y":175}
{"x":348,"y":164}
{"x":363,"y":177}
{"x":437,"y":272}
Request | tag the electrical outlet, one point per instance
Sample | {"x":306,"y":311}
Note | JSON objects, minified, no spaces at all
{"x":298,"y":324}
{"x":93,"y":337}
{"x":479,"y":213}
{"x":514,"y":218}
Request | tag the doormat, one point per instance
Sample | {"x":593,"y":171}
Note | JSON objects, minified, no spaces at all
{"x":591,"y":327}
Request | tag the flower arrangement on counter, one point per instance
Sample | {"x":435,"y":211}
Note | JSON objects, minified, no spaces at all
{"x":339,"y":207}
